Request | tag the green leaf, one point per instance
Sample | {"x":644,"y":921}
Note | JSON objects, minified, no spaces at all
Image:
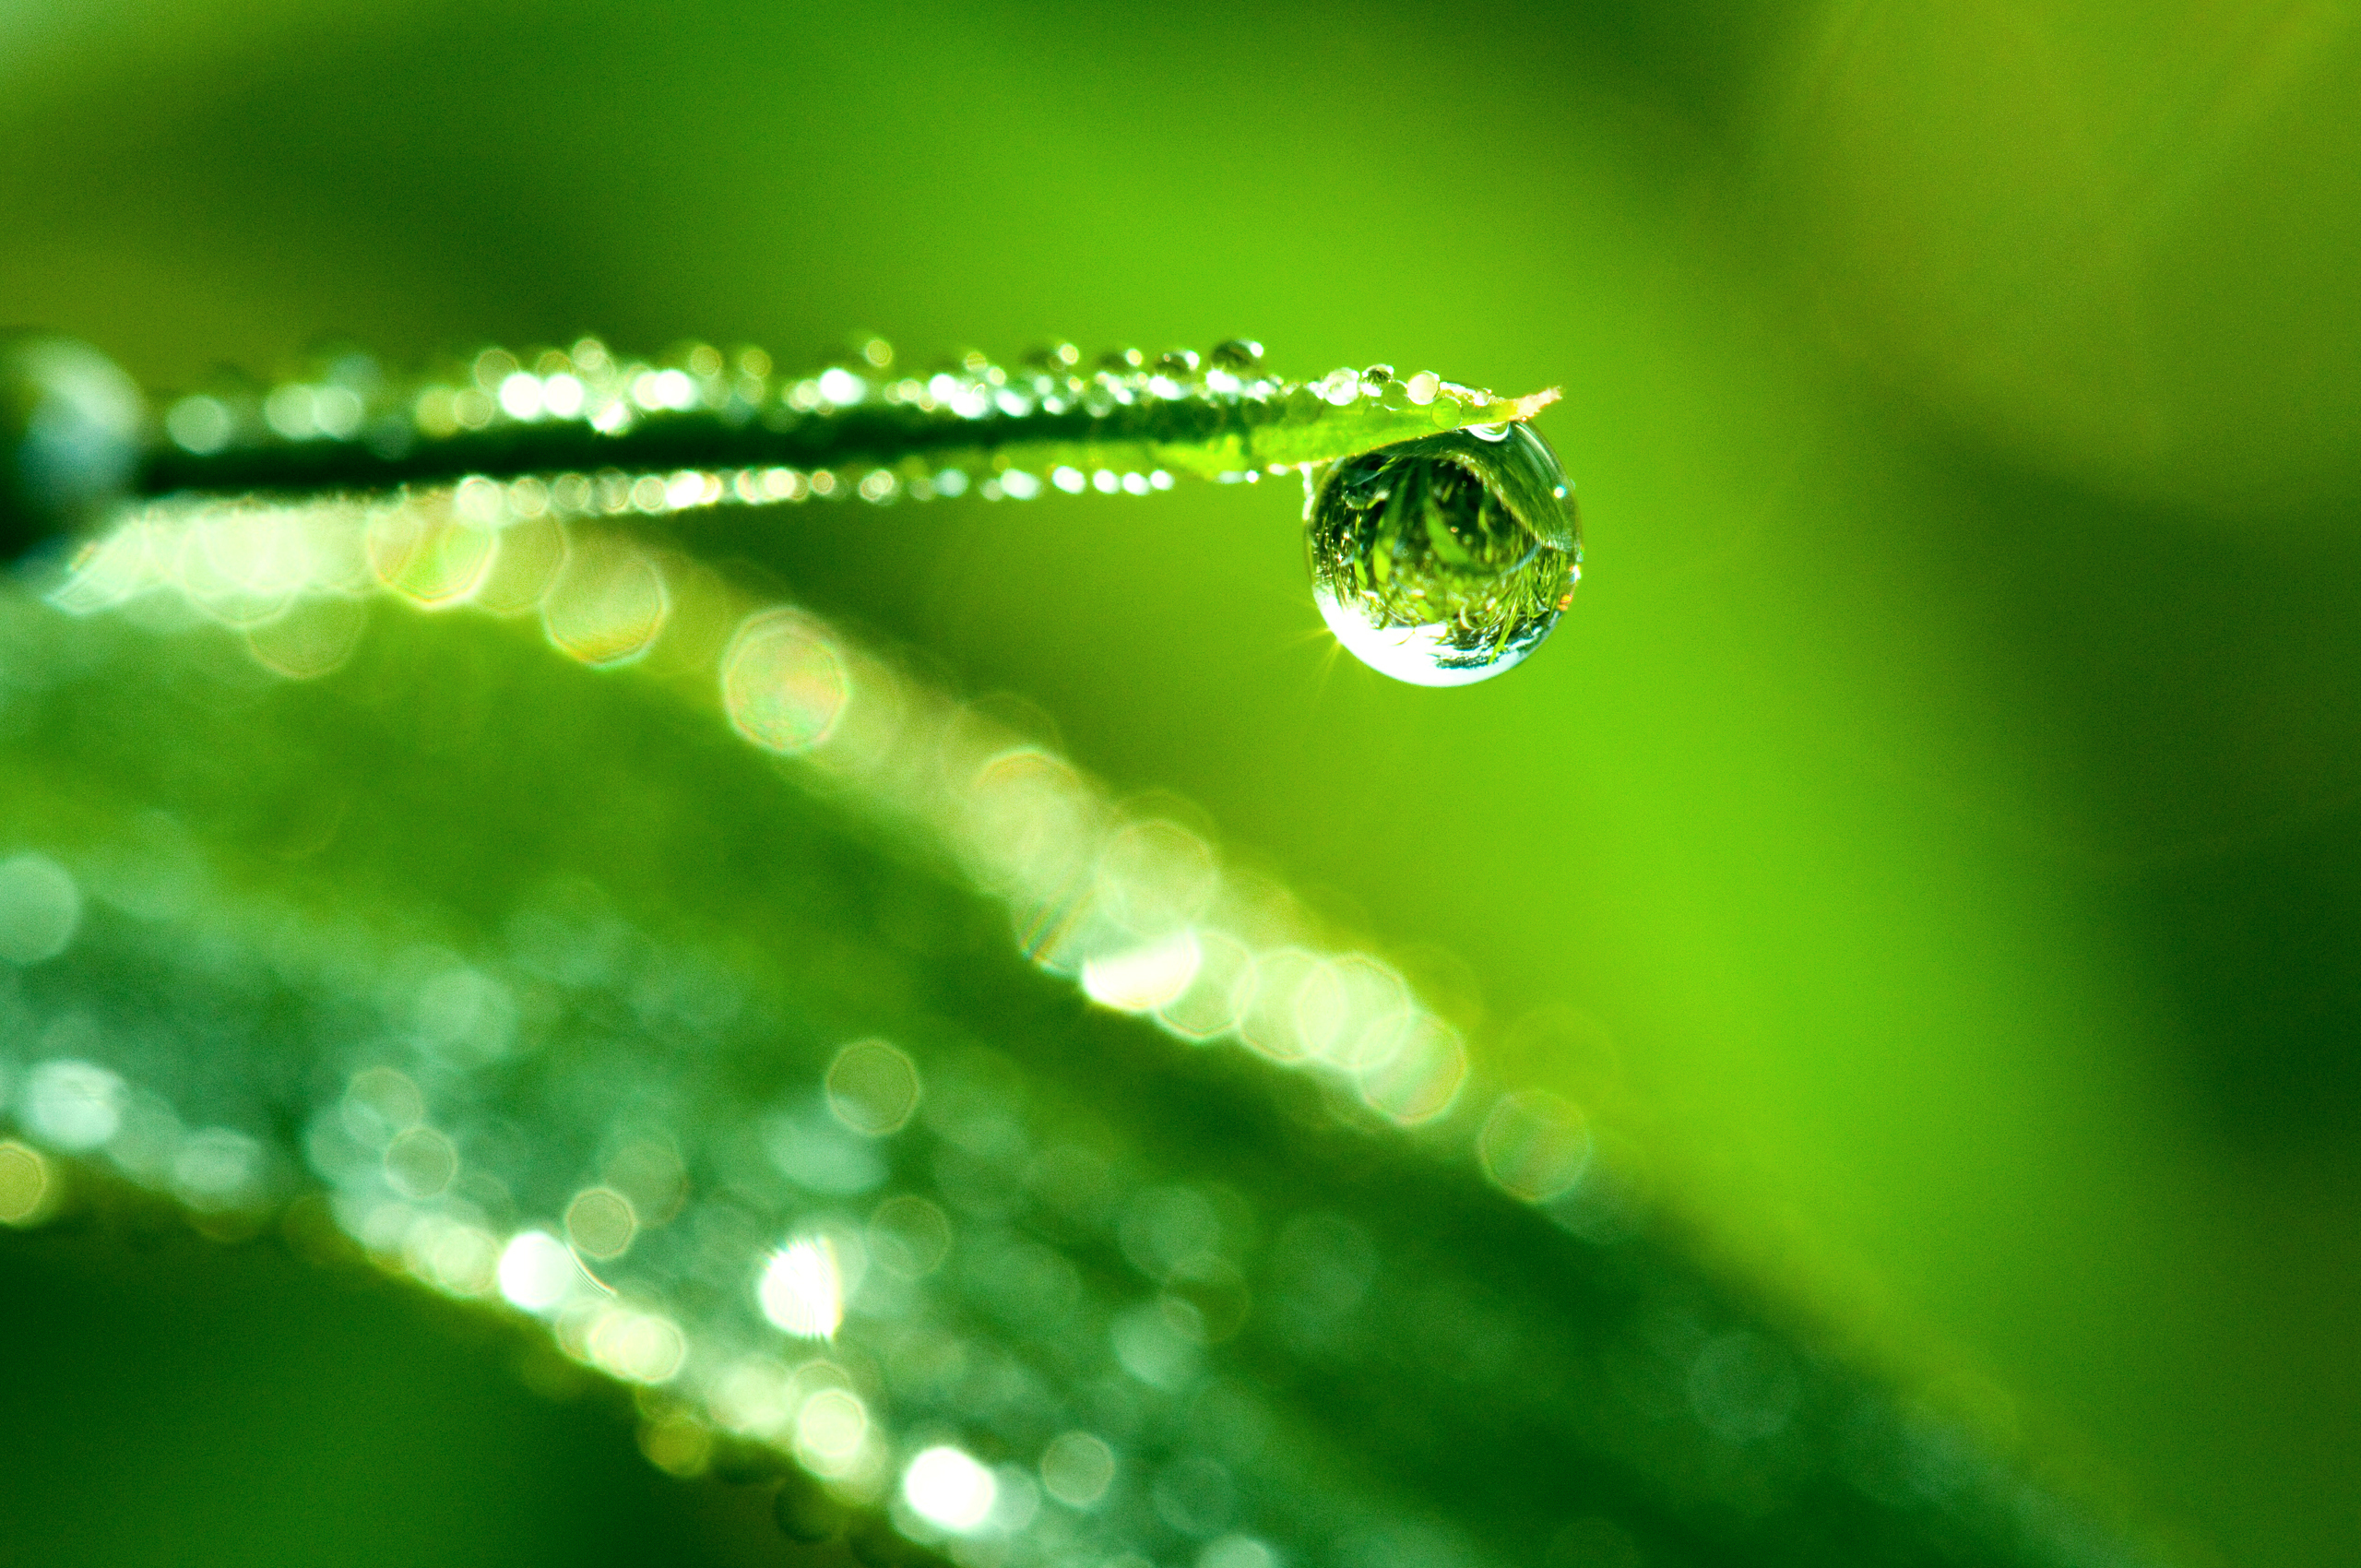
{"x":656,"y":967}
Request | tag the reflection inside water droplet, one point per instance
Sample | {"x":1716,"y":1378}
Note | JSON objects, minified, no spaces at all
{"x":1446,"y":560}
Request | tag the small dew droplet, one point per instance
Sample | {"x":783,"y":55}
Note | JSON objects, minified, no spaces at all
{"x":1446,"y":560}
{"x":1237,"y":354}
{"x":1177,"y":362}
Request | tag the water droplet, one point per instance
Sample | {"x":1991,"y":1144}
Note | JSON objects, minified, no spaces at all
{"x":1238,"y":353}
{"x":1177,"y":362}
{"x":71,"y":428}
{"x":1445,"y":559}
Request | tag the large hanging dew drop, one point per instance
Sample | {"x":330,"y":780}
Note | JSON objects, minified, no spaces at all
{"x":1446,"y":560}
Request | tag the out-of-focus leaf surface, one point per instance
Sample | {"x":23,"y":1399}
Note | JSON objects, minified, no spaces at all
{"x":644,"y":998}
{"x":1959,"y":861}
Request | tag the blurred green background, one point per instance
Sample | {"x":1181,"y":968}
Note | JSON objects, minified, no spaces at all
{"x":1945,"y":795}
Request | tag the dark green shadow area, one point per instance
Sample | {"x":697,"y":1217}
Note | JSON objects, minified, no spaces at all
{"x":173,"y":1401}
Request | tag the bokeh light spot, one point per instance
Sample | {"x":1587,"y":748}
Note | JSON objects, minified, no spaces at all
{"x":1237,"y":1552}
{"x":200,"y":424}
{"x":459,"y":1260}
{"x":783,"y":682}
{"x":1274,"y":1020}
{"x":908,"y":1236}
{"x":420,"y":1162}
{"x":1196,"y":1495}
{"x":1421,"y":1077}
{"x":1534,"y":1145}
{"x":600,"y":1224}
{"x":829,"y":1430}
{"x":676,"y":1446}
{"x":637,"y":1347}
{"x":219,"y":1171}
{"x":28,"y":1184}
{"x":1214,"y":998}
{"x":311,"y":638}
{"x":40,"y":908}
{"x":949,"y":1489}
{"x":872,"y":1087}
{"x":380,"y":1102}
{"x":427,"y":552}
{"x":1077,"y":1468}
{"x":608,"y":603}
{"x":537,"y":1271}
{"x":802,"y":1290}
{"x":527,"y":557}
{"x":73,"y":1105}
{"x":1143,"y":978}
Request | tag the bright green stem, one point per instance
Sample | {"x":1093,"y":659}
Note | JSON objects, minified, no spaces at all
{"x":350,"y":427}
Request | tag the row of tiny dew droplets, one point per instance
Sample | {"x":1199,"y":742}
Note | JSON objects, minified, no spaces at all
{"x":349,"y":399}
